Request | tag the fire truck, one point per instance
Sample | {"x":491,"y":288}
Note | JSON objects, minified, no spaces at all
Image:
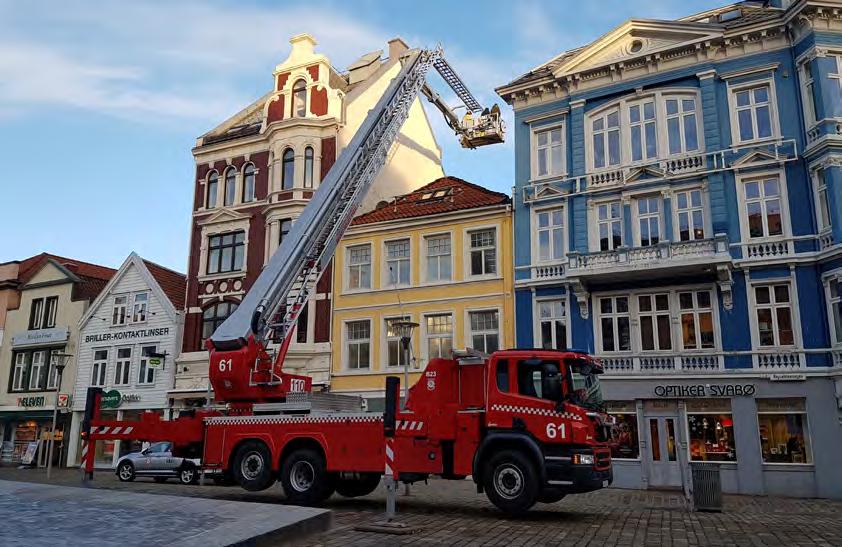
{"x":526,"y":425}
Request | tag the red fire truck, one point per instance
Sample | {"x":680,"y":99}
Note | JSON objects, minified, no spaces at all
{"x":525,"y":424}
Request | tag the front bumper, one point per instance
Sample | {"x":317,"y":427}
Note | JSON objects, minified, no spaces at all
{"x":562,"y":474}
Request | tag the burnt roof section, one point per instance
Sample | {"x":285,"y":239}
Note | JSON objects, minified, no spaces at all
{"x":443,"y":195}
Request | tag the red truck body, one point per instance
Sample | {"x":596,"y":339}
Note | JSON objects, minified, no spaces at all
{"x":458,"y":419}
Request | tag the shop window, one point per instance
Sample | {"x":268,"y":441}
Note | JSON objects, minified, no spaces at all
{"x":614,"y":322}
{"x":248,"y":183}
{"x":118,"y":311}
{"x":483,"y":252}
{"x":711,"y":437}
{"x":122,"y":366}
{"x":485,"y":331}
{"x":146,"y":374}
{"x":358,"y":335}
{"x":394,"y":351}
{"x":439,"y":331}
{"x":140,"y":308}
{"x":624,"y":437}
{"x":552,"y":315}
{"x":784,"y":435}
{"x":214,"y":316}
{"x":226,"y":252}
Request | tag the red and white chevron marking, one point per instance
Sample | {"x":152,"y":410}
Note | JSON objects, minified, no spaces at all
{"x":112,"y":431}
{"x":390,"y":457}
{"x":409,"y":425}
{"x":536,"y":412}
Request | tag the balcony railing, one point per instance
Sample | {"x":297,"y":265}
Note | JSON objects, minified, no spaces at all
{"x":548,"y":271}
{"x":778,"y":360}
{"x":769,"y":153}
{"x":665,"y":253}
{"x":830,"y":128}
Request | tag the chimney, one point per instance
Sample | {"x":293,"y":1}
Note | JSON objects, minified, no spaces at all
{"x":397,"y":47}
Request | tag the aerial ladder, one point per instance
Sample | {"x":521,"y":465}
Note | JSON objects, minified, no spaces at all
{"x":243,"y":368}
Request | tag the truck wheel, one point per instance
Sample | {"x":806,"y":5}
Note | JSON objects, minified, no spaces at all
{"x":550,"y":495}
{"x":125,"y":471}
{"x":305,"y":478}
{"x":356,"y":487}
{"x":252,"y":469}
{"x":511,"y":482}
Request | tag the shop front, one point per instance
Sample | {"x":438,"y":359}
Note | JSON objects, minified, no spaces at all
{"x":26,"y":432}
{"x":768,"y":435}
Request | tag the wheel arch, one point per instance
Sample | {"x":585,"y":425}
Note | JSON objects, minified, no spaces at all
{"x":265,"y":440}
{"x":507,"y":440}
{"x":297,"y":442}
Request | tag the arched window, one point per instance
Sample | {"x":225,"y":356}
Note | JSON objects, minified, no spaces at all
{"x":299,"y":99}
{"x":230,"y":185}
{"x":248,"y":183}
{"x":308,"y":167}
{"x":288,"y":171}
{"x":211,"y":190}
{"x":214,"y":316}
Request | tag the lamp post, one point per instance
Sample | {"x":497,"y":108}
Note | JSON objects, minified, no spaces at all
{"x":404,"y":330}
{"x":61,"y":362}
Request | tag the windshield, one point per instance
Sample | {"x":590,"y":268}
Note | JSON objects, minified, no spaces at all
{"x":587,"y":391}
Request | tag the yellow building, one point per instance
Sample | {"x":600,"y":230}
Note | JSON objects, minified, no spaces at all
{"x":441,"y":257}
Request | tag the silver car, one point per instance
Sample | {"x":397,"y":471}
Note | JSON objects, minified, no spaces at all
{"x":157,"y":462}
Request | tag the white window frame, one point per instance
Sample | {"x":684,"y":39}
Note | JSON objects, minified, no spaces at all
{"x":386,"y":340}
{"x":360,"y":267}
{"x":33,"y":367}
{"x":808,"y":90}
{"x":696,"y":310}
{"x":140,"y":309}
{"x":537,"y":333}
{"x":468,"y":250}
{"x":117,"y":309}
{"x":793,"y":310}
{"x":596,"y":222}
{"x":613,"y":315}
{"x":819,"y":184}
{"x":733,"y":89}
{"x":641,"y":124}
{"x":676,"y":213}
{"x":386,"y":274}
{"x":830,"y":300}
{"x":784,"y":198}
{"x":36,"y":313}
{"x":661,"y":134}
{"x":346,"y":346}
{"x":605,"y":135}
{"x":469,"y":332}
{"x":426,"y":336}
{"x":552,"y":171}
{"x":52,"y":371}
{"x":123,"y":376}
{"x":50,"y":312}
{"x":440,"y":257}
{"x":99,"y":368}
{"x":143,"y":366}
{"x":639,"y":217}
{"x":19,"y":373}
{"x":552,"y":230}
{"x":653,"y":314}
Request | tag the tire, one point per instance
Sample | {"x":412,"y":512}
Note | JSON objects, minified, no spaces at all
{"x":252,"y":466}
{"x":305,"y":478}
{"x":159,"y":480}
{"x":363,"y":485}
{"x":511,"y":482}
{"x":125,"y":472}
{"x":550,"y":495}
{"x":188,"y":474}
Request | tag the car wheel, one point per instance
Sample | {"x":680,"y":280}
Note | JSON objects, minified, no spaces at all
{"x":305,"y":478}
{"x":252,"y":468}
{"x":125,"y":471}
{"x":188,"y":474}
{"x":159,"y":480}
{"x":550,"y":495}
{"x":511,"y":482}
{"x":356,"y":487}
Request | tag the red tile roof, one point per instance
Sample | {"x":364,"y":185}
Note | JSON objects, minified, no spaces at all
{"x":172,"y":283}
{"x":93,"y":276}
{"x":459,"y":195}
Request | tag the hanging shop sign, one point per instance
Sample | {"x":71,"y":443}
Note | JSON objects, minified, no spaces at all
{"x":40,"y":336}
{"x":704,"y":390}
{"x":127,"y":335}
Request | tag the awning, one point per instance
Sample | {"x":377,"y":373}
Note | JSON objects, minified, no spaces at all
{"x":23,"y":415}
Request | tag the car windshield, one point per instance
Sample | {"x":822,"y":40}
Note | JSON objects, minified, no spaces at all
{"x":587,"y":391}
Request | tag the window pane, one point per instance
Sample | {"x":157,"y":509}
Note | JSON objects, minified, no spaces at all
{"x":785,"y":337}
{"x":761,"y":94}
{"x":651,"y":141}
{"x":755,"y":219}
{"x":542,"y":163}
{"x":690,"y":138}
{"x":781,"y":293}
{"x":622,"y":304}
{"x":743,"y":98}
{"x":664,"y":336}
{"x":761,"y":295}
{"x":607,"y":334}
{"x":654,"y":439}
{"x":672,"y":106}
{"x":688,"y":331}
{"x":746,"y":129}
{"x":623,"y":334}
{"x":637,"y":152}
{"x":764,"y":122}
{"x":670,"y":439}
{"x":647,"y":334}
{"x":644,"y":303}
{"x":557,"y":159}
{"x":773,"y":217}
{"x":613,"y":147}
{"x":599,"y":150}
{"x":605,"y":305}
{"x":764,"y":326}
{"x":706,"y":329}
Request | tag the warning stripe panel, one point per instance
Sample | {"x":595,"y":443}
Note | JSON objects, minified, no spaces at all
{"x":305,"y":419}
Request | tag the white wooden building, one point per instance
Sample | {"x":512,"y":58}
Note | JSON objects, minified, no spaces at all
{"x":128,"y":340}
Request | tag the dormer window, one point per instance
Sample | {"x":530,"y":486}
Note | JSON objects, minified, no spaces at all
{"x":299,"y":99}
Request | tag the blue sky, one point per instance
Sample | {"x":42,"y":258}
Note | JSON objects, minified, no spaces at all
{"x":101,"y":101}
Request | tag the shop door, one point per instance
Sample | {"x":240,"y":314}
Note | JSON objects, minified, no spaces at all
{"x":664,"y":470}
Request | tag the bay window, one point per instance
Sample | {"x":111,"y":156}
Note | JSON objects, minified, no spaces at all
{"x":358,"y":336}
{"x":308,"y":167}
{"x":549,"y":152}
{"x":552,"y":316}
{"x":752,"y":113}
{"x":648,"y":221}
{"x":359,"y":267}
{"x":773,"y":308}
{"x":690,"y":213}
{"x":654,"y":319}
{"x":614,"y":323}
{"x":763,"y":207}
{"x":609,"y":225}
{"x":550,"y":234}
{"x":287,"y":169}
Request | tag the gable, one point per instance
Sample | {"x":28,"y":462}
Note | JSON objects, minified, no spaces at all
{"x":637,"y":39}
{"x":51,"y":273}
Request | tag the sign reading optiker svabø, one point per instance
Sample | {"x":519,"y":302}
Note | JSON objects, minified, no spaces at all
{"x":704,"y":390}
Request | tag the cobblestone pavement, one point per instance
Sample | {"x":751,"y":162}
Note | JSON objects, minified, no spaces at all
{"x":451,"y":513}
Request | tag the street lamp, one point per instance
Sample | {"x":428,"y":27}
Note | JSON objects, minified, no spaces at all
{"x":404,"y":330}
{"x":61,"y":362}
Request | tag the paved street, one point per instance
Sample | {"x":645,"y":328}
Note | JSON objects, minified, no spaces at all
{"x":450,"y":513}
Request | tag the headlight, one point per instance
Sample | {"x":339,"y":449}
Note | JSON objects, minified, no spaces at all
{"x":583,"y":459}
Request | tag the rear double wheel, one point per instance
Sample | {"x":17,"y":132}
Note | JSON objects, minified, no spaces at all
{"x":305,"y":478}
{"x":511,"y":482}
{"x":252,"y":468}
{"x":357,"y":485}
